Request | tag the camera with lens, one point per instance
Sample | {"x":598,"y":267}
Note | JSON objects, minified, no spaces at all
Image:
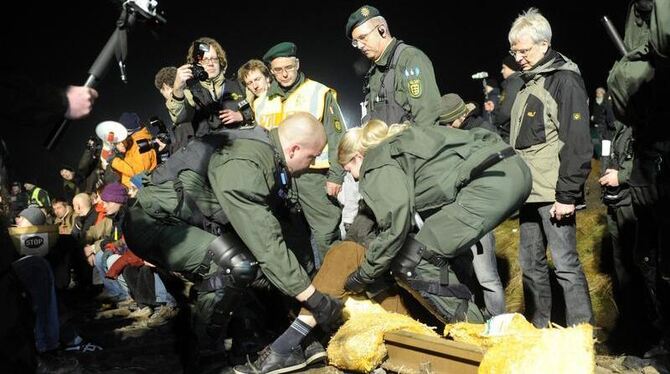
{"x":94,"y":146}
{"x":199,"y":50}
{"x":145,"y":145}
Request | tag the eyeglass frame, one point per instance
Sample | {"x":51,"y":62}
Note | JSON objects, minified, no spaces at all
{"x":363,"y":38}
{"x":523,"y":52}
{"x":287,"y":69}
{"x":207,"y":60}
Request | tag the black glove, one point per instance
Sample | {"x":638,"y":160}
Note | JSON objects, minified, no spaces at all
{"x":355,"y":282}
{"x":326,"y":310}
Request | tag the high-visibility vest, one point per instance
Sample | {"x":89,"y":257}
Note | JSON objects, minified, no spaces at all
{"x":309,"y":97}
{"x":35,"y":200}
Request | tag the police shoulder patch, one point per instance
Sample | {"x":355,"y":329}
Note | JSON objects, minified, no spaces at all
{"x":337,"y":125}
{"x":415,"y":88}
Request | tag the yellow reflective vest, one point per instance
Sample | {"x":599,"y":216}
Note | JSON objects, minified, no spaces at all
{"x":309,"y":97}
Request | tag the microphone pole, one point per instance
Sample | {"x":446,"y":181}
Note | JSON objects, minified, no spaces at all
{"x":116,"y":47}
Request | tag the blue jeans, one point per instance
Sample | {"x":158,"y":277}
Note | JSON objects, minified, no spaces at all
{"x":162,"y":295}
{"x":37,"y":277}
{"x":486,"y":270}
{"x":538,"y":229}
{"x":116,"y":288}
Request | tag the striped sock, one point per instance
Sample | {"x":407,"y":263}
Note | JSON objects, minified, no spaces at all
{"x":291,"y":338}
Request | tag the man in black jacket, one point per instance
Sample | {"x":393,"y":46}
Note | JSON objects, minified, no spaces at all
{"x":550,"y":131}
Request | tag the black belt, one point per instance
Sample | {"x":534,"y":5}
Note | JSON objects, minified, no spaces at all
{"x":490,"y":161}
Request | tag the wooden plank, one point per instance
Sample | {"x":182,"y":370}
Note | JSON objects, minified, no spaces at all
{"x":418,"y":354}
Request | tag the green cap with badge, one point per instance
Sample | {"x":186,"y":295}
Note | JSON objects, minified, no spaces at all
{"x":361,"y":15}
{"x":283,"y":49}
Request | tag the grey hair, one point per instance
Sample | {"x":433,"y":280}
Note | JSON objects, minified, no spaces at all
{"x":379,"y":20}
{"x":532,"y":24}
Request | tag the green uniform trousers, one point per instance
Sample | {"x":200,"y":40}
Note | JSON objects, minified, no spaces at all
{"x":322,"y":213}
{"x":479,"y":207}
{"x":173,"y":247}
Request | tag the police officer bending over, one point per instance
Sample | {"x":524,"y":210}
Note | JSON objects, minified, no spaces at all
{"x":461,"y":183}
{"x":249,"y":178}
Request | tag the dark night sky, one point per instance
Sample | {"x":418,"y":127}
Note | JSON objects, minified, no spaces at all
{"x":56,"y":42}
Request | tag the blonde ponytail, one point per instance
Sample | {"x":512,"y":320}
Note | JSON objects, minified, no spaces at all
{"x":368,"y":136}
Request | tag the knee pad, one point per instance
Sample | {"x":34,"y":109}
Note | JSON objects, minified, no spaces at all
{"x":238,"y":267}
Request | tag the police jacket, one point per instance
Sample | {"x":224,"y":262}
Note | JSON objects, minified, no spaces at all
{"x":402,"y":77}
{"x":418,"y":170}
{"x":203,"y":100}
{"x":550,"y":129}
{"x":244,"y":178}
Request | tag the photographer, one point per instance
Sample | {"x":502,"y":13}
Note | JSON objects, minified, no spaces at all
{"x":182,"y":133}
{"x":129,"y":159}
{"x":89,"y":164}
{"x":161,"y":143}
{"x":202,"y":94}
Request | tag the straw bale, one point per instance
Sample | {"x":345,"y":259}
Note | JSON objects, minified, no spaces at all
{"x":359,"y":344}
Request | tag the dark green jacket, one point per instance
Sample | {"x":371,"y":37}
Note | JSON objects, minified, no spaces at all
{"x":418,"y":170}
{"x":244,"y":179}
{"x":413,"y":69}
{"x":333,"y":123}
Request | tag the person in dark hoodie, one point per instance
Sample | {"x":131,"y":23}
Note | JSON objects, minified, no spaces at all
{"x":508,"y":89}
{"x":560,"y":160}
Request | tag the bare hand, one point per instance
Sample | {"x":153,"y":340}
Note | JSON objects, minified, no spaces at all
{"x":333,"y":189}
{"x":184,"y":73}
{"x":228,"y":116}
{"x":560,"y":211}
{"x":611,"y":178}
{"x":80,"y":101}
{"x":161,"y":145}
{"x":489,"y":106}
{"x":89,"y":252}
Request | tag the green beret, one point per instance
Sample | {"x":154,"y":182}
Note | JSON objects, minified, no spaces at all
{"x":283,"y":49}
{"x":362,"y":14}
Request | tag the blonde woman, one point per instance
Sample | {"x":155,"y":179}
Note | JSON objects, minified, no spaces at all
{"x":458,"y":184}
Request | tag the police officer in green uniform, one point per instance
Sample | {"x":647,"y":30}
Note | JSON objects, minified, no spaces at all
{"x":400,"y":85}
{"x":291,"y":92}
{"x":175,"y":223}
{"x":249,"y":177}
{"x":461,"y":184}
{"x":246,"y":177}
{"x":639,"y":85}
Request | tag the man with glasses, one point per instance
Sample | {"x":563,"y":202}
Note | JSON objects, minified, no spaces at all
{"x":549,"y":129}
{"x":214,"y":102}
{"x":292,"y":92}
{"x":400,"y":85}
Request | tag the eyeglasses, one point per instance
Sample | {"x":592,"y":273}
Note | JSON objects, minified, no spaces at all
{"x":209,"y":60}
{"x":362,"y":38}
{"x":279,"y":70}
{"x":522,"y":52}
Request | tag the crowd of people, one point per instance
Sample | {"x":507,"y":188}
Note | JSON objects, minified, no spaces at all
{"x":259,"y":185}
